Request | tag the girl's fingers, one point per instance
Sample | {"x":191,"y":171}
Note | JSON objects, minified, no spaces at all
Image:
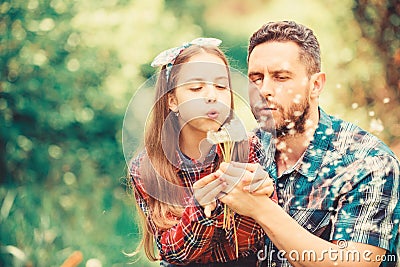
{"x":207,"y":210}
{"x":251,"y":167}
{"x":231,"y":181}
{"x":205,"y":180}
{"x":208,"y":194}
{"x":212,"y":195}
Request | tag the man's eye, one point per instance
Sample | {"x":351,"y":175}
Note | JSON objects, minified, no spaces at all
{"x":281,"y":78}
{"x":257,"y":81}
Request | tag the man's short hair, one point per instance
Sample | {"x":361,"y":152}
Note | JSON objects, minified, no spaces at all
{"x":286,"y":31}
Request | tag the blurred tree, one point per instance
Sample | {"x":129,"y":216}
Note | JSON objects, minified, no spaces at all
{"x":51,"y":105}
{"x":380,"y":24}
{"x":68,"y":70}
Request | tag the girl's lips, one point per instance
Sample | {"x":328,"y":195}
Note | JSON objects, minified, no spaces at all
{"x":213,"y":114}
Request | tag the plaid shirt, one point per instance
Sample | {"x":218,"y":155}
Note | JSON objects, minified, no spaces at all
{"x":196,"y":238}
{"x":345,"y":187}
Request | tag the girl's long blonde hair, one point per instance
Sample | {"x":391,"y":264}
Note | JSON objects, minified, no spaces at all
{"x":158,"y":166}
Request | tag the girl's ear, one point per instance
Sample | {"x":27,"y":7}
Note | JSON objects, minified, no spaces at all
{"x":317,"y":84}
{"x":172,"y":102}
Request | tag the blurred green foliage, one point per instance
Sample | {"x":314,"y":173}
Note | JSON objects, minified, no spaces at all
{"x":69,"y":68}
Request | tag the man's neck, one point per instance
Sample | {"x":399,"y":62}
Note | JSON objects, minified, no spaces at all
{"x":290,"y":148}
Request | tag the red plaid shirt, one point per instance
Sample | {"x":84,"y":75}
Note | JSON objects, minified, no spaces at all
{"x":196,"y":238}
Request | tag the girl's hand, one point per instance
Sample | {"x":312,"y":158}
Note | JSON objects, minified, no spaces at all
{"x":207,"y":190}
{"x":250,"y":177}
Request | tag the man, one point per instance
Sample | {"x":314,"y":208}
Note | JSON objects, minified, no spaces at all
{"x":337,"y":185}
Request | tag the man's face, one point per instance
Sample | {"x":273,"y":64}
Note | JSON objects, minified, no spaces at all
{"x":280,"y":88}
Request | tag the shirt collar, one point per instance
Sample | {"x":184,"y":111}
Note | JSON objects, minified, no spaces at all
{"x":186,"y":161}
{"x":312,"y":158}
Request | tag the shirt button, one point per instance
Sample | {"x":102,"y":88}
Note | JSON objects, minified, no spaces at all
{"x":273,"y":264}
{"x":309,"y":226}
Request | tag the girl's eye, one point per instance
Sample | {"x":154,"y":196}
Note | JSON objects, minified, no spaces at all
{"x":221,"y":86}
{"x":195,"y":88}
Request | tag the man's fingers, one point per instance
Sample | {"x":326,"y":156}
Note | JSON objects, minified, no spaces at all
{"x":263,"y":187}
{"x":254,"y":186}
{"x":263,"y":191}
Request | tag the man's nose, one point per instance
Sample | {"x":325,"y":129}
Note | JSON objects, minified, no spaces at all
{"x":267,"y":89}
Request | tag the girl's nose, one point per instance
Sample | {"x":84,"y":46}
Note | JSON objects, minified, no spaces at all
{"x":211,"y":95}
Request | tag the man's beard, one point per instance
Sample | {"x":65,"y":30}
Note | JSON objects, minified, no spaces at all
{"x":293,"y":120}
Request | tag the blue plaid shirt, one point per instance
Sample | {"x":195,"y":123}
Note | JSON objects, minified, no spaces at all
{"x":345,"y":187}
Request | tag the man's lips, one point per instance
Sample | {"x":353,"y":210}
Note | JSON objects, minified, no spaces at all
{"x":266,"y":108}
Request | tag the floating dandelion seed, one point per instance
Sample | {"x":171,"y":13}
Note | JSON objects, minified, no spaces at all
{"x":345,"y":214}
{"x":329,"y":131}
{"x":297,"y":113}
{"x":309,"y":123}
{"x":297,"y":99}
{"x":281,"y":145}
{"x":290,"y":125}
{"x":339,"y":236}
{"x":338,"y":86}
{"x":354,"y":106}
{"x":325,"y":170}
{"x":306,"y":166}
{"x":376,"y":125}
{"x":371,"y":113}
{"x":386,"y":100}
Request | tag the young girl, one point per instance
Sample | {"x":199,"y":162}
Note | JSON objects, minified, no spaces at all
{"x":193,"y":97}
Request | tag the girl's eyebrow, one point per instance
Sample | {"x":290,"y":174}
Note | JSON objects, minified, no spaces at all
{"x":202,"y":79}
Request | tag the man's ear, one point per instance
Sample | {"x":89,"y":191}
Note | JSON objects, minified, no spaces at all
{"x":317,"y":84}
{"x":172,"y":102}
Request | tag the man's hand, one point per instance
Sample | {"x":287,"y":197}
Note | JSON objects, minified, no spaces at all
{"x":248,"y":186}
